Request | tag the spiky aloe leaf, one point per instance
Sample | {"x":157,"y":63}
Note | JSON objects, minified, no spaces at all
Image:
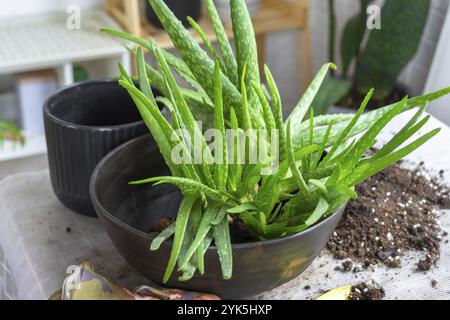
{"x":224,"y":44}
{"x":344,"y":134}
{"x":188,"y":186}
{"x":366,"y":170}
{"x":203,"y":230}
{"x":163,"y":236}
{"x":221,"y":172}
{"x":188,"y":119}
{"x":156,"y":131}
{"x":180,"y":229}
{"x":304,"y":104}
{"x":247,"y":53}
{"x":406,"y":132}
{"x":222,"y":239}
{"x":293,"y":164}
{"x":368,"y":139}
{"x":194,"y":56}
{"x":236,"y":167}
{"x":365,"y":121}
{"x":277,"y":110}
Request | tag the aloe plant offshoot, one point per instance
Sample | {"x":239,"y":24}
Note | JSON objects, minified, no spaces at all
{"x":311,"y":166}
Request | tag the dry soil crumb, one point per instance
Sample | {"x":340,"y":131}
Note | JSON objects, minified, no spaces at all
{"x":396,"y":211}
{"x":433,"y":283}
{"x":347,"y":265}
{"x":363,"y":291}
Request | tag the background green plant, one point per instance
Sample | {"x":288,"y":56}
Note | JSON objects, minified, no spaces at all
{"x":379,"y":61}
{"x":308,"y":185}
{"x":9,"y":131}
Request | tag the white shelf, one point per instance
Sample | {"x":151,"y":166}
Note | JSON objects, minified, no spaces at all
{"x":44,"y":41}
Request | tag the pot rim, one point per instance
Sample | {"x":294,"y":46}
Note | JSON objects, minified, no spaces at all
{"x":104,"y":212}
{"x":72,"y":125}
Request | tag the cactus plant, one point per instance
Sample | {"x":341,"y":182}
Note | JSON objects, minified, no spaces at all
{"x":389,"y":50}
{"x":379,"y":62}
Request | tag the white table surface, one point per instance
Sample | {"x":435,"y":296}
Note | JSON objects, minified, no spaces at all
{"x":35,"y":241}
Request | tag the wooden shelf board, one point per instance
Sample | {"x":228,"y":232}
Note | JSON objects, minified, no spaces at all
{"x":273,"y":16}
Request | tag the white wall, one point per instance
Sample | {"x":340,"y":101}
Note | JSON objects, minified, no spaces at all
{"x":440,"y":75}
{"x":415,"y":74}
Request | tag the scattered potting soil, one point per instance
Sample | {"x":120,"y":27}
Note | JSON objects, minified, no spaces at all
{"x":363,"y":291}
{"x":347,"y":265}
{"x":396,"y":212}
{"x":434,"y":283}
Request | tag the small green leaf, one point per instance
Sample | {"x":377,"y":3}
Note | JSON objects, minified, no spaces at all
{"x":223,"y":243}
{"x":181,"y":223}
{"x":242,"y":208}
{"x":163,"y":236}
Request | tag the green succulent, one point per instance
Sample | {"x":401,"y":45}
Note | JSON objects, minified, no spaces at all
{"x":10,"y":131}
{"x":320,"y":160}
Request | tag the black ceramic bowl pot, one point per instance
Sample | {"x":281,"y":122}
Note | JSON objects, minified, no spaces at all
{"x":181,"y":8}
{"x":83,"y":123}
{"x":128,"y":212}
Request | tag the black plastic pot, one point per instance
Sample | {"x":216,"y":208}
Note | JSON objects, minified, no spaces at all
{"x":181,"y":8}
{"x":83,"y":123}
{"x":128,"y":212}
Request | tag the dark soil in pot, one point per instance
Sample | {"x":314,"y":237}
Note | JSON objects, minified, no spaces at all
{"x":181,"y":8}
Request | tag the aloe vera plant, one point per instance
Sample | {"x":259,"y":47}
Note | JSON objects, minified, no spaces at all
{"x":318,"y":161}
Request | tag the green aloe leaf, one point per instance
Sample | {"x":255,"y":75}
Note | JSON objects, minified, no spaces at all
{"x":163,"y":236}
{"x":366,"y":170}
{"x":187,"y":118}
{"x":368,"y":139}
{"x":305,"y":102}
{"x":180,"y":228}
{"x":407,"y":131}
{"x":242,"y":208}
{"x":221,"y":172}
{"x":345,"y":132}
{"x":366,"y":120}
{"x":195,"y":57}
{"x":224,"y":44}
{"x":293,"y":165}
{"x":203,"y":230}
{"x":187,"y":185}
{"x":247,"y":54}
{"x":321,"y":209}
{"x":222,"y":239}
{"x":277,"y":110}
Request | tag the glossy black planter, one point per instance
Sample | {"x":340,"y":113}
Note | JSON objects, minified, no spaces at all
{"x":181,"y":8}
{"x":83,"y":123}
{"x":127,"y":213}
